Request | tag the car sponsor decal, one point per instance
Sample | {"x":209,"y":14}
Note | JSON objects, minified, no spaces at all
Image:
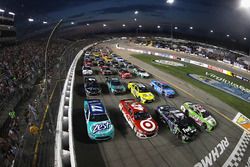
{"x":100,"y":127}
{"x":137,"y":106}
{"x":211,"y":158}
{"x":242,"y":121}
{"x":96,"y":108}
{"x":147,"y":125}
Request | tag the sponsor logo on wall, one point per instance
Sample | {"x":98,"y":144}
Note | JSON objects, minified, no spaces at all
{"x":242,"y":121}
{"x":169,"y":63}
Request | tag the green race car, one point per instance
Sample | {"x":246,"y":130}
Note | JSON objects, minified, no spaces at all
{"x":201,"y":116}
{"x":115,"y":86}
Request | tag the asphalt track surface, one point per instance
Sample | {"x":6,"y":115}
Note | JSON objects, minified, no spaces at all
{"x":127,"y":150}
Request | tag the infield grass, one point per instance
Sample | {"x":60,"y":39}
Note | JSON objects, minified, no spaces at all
{"x":181,"y":72}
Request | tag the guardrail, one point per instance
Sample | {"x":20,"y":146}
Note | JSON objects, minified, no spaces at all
{"x":64,"y":142}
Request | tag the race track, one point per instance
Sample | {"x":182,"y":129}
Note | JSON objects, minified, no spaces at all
{"x":164,"y":150}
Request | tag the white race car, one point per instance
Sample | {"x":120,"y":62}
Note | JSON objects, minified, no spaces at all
{"x":141,"y":73}
{"x":87,"y":70}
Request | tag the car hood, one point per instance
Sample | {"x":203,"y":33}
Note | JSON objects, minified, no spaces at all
{"x":147,"y":125}
{"x":210,"y":120}
{"x":117,"y":87}
{"x":169,"y":91}
{"x":144,"y":73}
{"x":147,"y":95}
{"x":98,"y":128}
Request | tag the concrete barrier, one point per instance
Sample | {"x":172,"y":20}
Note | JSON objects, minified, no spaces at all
{"x":64,"y":142}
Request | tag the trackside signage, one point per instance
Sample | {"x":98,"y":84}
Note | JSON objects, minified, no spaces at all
{"x":242,"y":121}
{"x":214,"y":155}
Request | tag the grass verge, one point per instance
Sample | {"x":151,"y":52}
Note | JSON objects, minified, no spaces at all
{"x":181,"y":72}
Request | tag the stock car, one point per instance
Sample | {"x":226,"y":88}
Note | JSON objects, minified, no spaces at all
{"x":141,"y":73}
{"x":138,"y":118}
{"x":105,"y":70}
{"x":162,"y":88}
{"x":88,"y":62}
{"x":99,"y":125}
{"x":141,"y":92}
{"x":124,"y":74}
{"x":91,"y":86}
{"x":86,"y":70}
{"x":200,"y":115}
{"x":178,"y":123}
{"x":115,"y":86}
{"x":119,"y":59}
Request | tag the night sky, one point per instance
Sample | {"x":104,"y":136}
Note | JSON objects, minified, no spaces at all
{"x":222,"y":16}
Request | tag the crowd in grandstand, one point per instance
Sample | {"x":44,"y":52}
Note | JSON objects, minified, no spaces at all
{"x":20,"y":66}
{"x":208,"y":51}
{"x":21,"y":63}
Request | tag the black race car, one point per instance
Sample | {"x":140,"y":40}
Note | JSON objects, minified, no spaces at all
{"x":91,"y":86}
{"x":178,"y":123}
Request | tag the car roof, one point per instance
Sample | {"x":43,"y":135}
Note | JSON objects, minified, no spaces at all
{"x":177,"y":113}
{"x":140,"y":85}
{"x":96,"y":107}
{"x":137,"y":107}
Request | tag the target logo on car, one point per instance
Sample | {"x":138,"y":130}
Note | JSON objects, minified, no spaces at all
{"x":147,"y":125}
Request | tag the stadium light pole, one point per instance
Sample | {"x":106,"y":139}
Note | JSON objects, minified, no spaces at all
{"x":245,"y":4}
{"x":2,"y":12}
{"x":46,"y":57}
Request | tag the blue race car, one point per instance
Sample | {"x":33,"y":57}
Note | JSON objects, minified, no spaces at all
{"x":99,"y":126}
{"x":163,"y":88}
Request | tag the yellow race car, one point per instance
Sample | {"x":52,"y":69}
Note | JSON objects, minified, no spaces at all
{"x":141,"y":92}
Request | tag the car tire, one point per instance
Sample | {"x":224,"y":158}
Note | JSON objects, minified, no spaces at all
{"x":204,"y":126}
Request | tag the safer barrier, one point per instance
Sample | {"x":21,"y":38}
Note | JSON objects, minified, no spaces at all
{"x":64,"y":142}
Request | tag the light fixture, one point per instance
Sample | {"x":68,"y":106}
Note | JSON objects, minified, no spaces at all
{"x":104,"y":25}
{"x":136,"y":12}
{"x":11,"y":13}
{"x":245,"y":3}
{"x":245,"y":38}
{"x":176,"y":28}
{"x":30,"y":19}
{"x":191,"y":28}
{"x":1,"y":10}
{"x":169,"y":1}
{"x":87,"y":24}
{"x":211,"y":31}
{"x":72,"y":23}
{"x":45,"y":22}
{"x":135,"y":19}
{"x":140,"y":26}
{"x":124,"y":25}
{"x":158,"y":26}
{"x":228,"y":35}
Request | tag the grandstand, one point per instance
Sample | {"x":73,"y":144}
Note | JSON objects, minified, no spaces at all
{"x":7,"y":27}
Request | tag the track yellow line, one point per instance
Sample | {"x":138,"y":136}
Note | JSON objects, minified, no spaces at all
{"x":184,"y":91}
{"x":34,"y":162}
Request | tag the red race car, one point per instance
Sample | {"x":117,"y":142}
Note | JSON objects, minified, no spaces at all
{"x":124,"y":74}
{"x":105,"y":70}
{"x":88,"y":63}
{"x":138,"y":118}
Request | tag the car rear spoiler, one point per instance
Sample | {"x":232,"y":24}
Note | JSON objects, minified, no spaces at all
{"x":127,"y":100}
